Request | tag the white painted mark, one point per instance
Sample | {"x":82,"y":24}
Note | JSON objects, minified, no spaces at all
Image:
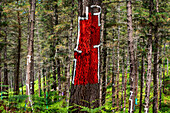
{"x":29,"y":95}
{"x":146,"y":110}
{"x":98,"y":46}
{"x":28,"y":59}
{"x":74,"y":72}
{"x":131,"y":93}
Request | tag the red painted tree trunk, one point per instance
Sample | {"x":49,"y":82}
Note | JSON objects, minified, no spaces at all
{"x":85,"y":82}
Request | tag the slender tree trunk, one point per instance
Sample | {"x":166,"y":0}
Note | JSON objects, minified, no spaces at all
{"x":44,"y":89}
{"x":104,"y":87}
{"x":160,"y":76}
{"x":117,"y":102}
{"x":58,"y":60}
{"x":39,"y":68}
{"x":59,"y":76}
{"x":54,"y":86}
{"x":148,"y":80}
{"x":149,"y":59}
{"x":127,"y":63}
{"x":163,"y":86}
{"x":18,"y":55}
{"x":47,"y":85}
{"x":22,"y":82}
{"x":167,"y":68}
{"x":123,"y":78}
{"x":5,"y":61}
{"x":30,"y":52}
{"x":136,"y":69}
{"x":156,"y":64}
{"x":132,"y":56}
{"x":142,"y":77}
{"x":69,"y":56}
{"x":101,"y":56}
{"x":113,"y":75}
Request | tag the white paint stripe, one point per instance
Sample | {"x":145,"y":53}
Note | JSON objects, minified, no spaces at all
{"x":78,"y":51}
{"x":74,"y":72}
{"x":29,"y":95}
{"x":28,"y":59}
{"x":131,"y":93}
{"x":146,"y":110}
{"x":97,"y":46}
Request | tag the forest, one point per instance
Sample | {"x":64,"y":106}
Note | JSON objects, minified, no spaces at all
{"x":84,"y":56}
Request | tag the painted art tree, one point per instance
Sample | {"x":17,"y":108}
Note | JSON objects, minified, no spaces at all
{"x":85,"y":80}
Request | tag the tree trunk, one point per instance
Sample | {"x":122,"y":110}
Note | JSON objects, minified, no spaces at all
{"x":137,"y":74}
{"x":104,"y":87}
{"x":59,"y":76}
{"x":156,"y":65}
{"x":22,"y":82}
{"x":43,"y":73}
{"x":39,"y":59}
{"x":54,"y":86}
{"x":149,"y":59}
{"x":142,"y":77}
{"x":5,"y":62}
{"x":123,"y":78}
{"x":160,"y":76}
{"x":132,"y":56}
{"x":101,"y":59}
{"x":18,"y":55}
{"x":69,"y":56}
{"x":30,"y":52}
{"x":113,"y":75}
{"x":167,"y":68}
{"x":47,"y":86}
{"x":84,"y":93}
{"x":58,"y":60}
{"x":117,"y":93}
{"x":127,"y":63}
{"x":163,"y":86}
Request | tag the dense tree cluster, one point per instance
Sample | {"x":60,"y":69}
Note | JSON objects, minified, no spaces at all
{"x":37,"y":41}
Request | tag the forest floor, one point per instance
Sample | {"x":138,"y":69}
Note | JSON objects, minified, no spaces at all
{"x":20,"y":106}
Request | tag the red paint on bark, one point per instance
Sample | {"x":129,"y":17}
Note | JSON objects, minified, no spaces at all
{"x":87,"y":61}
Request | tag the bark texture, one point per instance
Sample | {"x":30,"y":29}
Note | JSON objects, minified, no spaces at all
{"x":104,"y":84}
{"x":118,"y":65}
{"x":132,"y":56}
{"x":149,"y":59}
{"x":113,"y":75}
{"x":18,"y":55}
{"x":5,"y":61}
{"x":29,"y":78}
{"x":156,"y":64}
{"x":142,"y":79}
